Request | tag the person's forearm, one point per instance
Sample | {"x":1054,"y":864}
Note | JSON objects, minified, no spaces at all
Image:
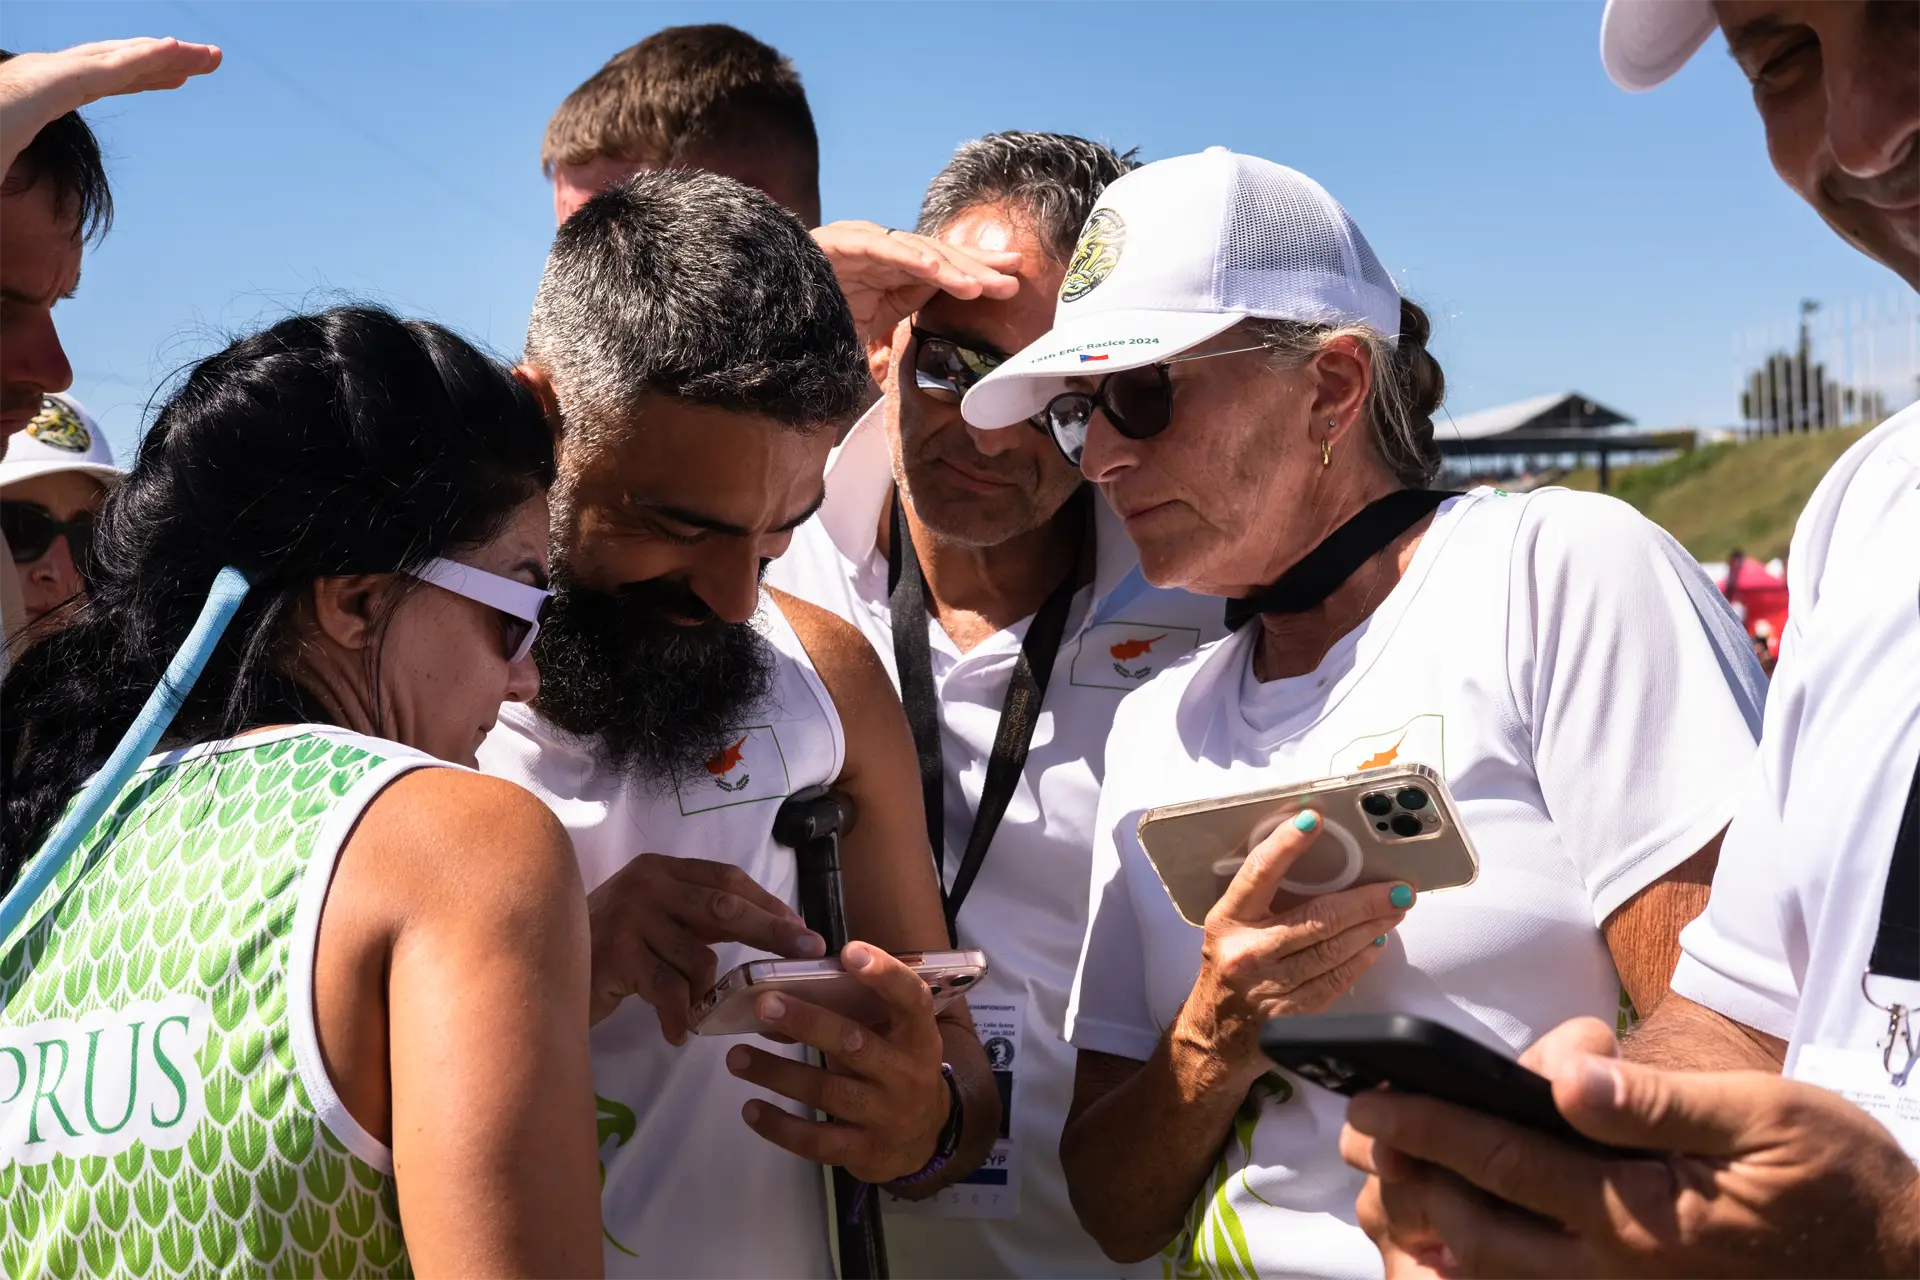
{"x":1136,"y":1158}
{"x":1683,"y":1036}
{"x":979,"y":1107}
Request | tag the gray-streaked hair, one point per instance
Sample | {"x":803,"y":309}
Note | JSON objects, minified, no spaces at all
{"x":1408,"y":384}
{"x":1055,"y":178}
{"x":683,"y":283}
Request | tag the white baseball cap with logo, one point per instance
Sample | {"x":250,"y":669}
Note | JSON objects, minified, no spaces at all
{"x":1643,"y":42}
{"x":62,"y":437}
{"x":1183,"y":249}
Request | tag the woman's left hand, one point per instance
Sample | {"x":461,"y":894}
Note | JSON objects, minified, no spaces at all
{"x":881,"y":1086}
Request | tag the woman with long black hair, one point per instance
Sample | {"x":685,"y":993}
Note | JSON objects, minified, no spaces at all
{"x":307,"y":978}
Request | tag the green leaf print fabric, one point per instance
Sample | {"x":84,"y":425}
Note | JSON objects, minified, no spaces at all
{"x":153,"y":1121}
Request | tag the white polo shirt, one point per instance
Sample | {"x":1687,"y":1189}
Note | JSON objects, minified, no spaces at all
{"x":1593,"y":706}
{"x":1796,"y":902}
{"x":1027,"y":910}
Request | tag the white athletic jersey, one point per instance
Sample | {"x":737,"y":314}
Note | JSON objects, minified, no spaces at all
{"x":1796,"y":902}
{"x":1593,"y":706}
{"x":689,"y":1189}
{"x":1027,"y":910}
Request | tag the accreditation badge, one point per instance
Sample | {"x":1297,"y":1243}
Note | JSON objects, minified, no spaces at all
{"x":992,"y":1190}
{"x":1858,"y":1076}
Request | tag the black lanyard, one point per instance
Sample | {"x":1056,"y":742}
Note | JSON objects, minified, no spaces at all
{"x":913,"y":656}
{"x":1319,"y":573}
{"x":1896,"y":948}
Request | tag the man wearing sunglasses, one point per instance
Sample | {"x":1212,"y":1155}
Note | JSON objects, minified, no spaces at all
{"x":1773,"y":1096}
{"x":55,"y":475}
{"x":1005,"y":600}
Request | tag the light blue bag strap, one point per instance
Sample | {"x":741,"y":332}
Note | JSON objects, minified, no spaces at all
{"x":223,"y":601}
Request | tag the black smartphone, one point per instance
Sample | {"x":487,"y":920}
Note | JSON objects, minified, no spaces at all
{"x":1350,"y":1054}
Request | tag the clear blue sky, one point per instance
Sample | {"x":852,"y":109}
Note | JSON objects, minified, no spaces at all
{"x":1565,"y":234}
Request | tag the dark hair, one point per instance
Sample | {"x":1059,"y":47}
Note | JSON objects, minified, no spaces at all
{"x":1055,"y":178}
{"x":687,"y":284}
{"x":346,"y":442}
{"x":66,"y":154}
{"x":710,"y":85}
{"x":1408,"y":385}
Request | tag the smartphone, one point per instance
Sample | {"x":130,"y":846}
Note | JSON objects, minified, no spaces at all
{"x":1352,"y":1053}
{"x":727,"y":1010}
{"x":1397,"y":823}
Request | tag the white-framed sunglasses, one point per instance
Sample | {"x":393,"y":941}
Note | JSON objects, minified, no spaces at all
{"x":519,"y":603}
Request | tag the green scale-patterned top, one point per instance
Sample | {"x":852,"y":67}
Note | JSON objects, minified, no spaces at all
{"x":163,"y":1108}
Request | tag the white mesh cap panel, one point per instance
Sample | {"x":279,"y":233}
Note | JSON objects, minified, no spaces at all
{"x":1181,"y":250}
{"x":1290,"y":252}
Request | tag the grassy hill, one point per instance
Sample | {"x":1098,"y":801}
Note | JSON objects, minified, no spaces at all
{"x":1729,"y":495}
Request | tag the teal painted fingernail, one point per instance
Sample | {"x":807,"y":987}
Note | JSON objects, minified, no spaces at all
{"x":1380,"y":941}
{"x":1402,"y":896}
{"x":1306,"y":821}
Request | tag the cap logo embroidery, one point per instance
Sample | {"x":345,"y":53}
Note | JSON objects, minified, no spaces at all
{"x":59,"y":427}
{"x":1095,"y":257}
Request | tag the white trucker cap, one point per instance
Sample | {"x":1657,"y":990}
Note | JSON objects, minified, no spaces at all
{"x":1642,"y":42}
{"x":61,"y":437}
{"x":1183,"y":249}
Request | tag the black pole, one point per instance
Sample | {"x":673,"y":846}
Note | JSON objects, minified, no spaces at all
{"x":809,"y":823}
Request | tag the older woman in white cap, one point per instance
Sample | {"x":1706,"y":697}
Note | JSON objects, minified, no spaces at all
{"x":53,"y":478}
{"x":1233,"y":367}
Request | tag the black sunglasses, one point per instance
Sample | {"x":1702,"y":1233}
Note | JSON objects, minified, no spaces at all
{"x":945,"y":370}
{"x":30,"y":530}
{"x":1138,"y":402}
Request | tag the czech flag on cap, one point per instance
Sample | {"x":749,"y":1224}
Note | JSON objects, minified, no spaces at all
{"x":1084,"y":357}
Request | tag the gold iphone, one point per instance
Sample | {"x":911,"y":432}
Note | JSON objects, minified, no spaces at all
{"x":1396,"y":823}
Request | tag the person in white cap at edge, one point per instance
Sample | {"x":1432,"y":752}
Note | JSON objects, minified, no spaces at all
{"x":1806,"y":963}
{"x":1237,"y":372}
{"x":55,"y":474}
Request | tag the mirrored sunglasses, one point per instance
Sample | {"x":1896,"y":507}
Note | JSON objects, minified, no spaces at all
{"x":945,"y":371}
{"x":1138,"y":402}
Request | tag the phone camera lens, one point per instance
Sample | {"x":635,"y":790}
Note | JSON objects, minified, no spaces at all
{"x":1412,"y":798}
{"x":962,"y":979}
{"x":1377,"y":804}
{"x":1406,"y":826}
{"x":933,"y":989}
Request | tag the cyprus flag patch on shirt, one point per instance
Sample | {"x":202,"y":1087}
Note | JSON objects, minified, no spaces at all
{"x":1421,"y":740}
{"x":750,"y":768}
{"x":1125,"y":655}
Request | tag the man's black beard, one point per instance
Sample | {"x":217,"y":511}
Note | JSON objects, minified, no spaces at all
{"x":656,"y":698}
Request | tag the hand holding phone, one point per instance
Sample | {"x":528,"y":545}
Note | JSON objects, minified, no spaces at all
{"x":1353,"y":1054}
{"x":883,"y":1087}
{"x":1261,"y":958}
